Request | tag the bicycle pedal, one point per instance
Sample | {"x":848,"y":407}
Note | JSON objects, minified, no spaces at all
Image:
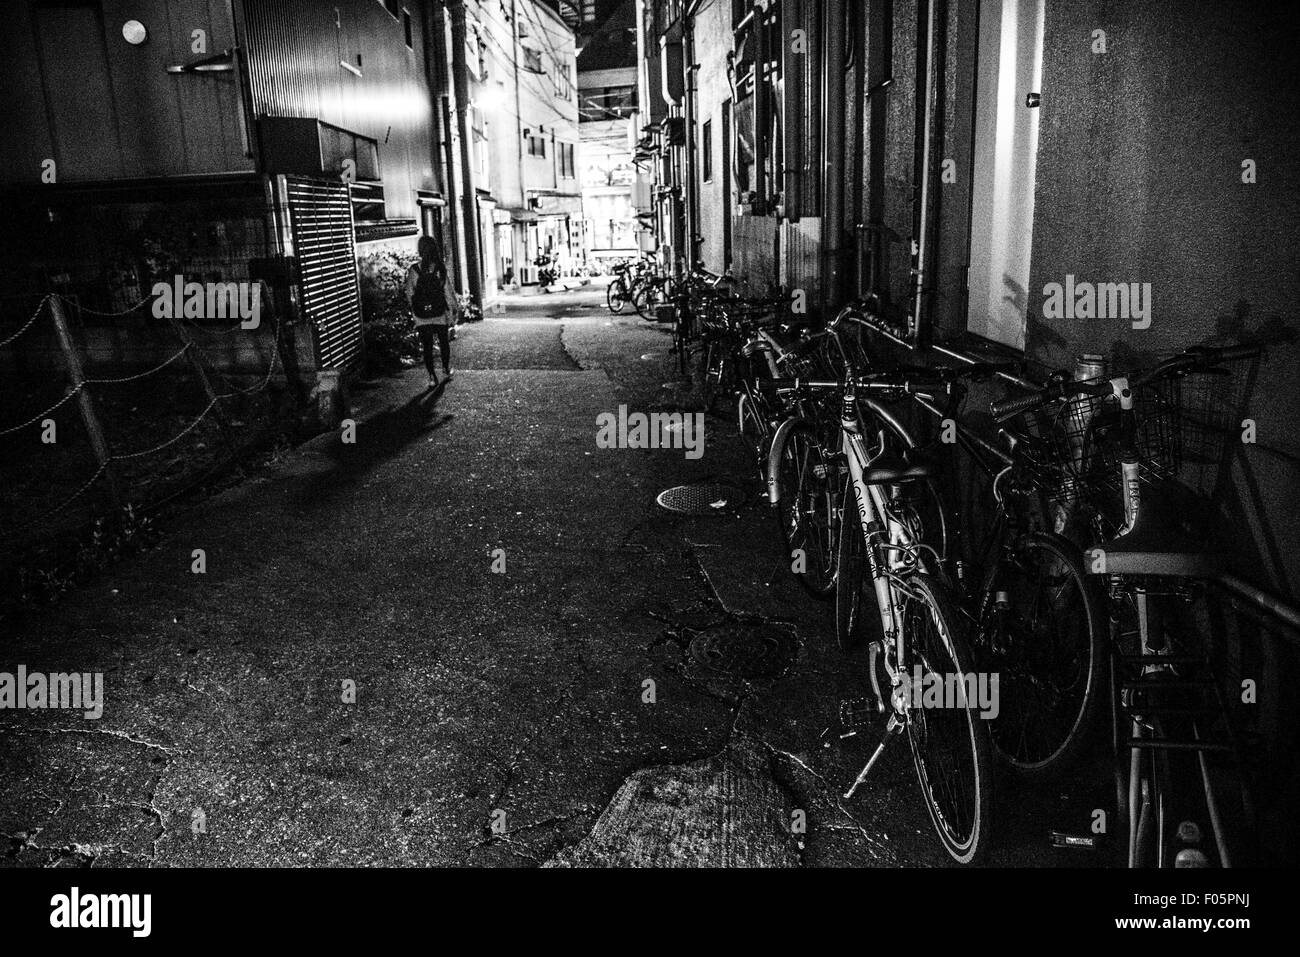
{"x":856,"y":713}
{"x":1084,"y":841}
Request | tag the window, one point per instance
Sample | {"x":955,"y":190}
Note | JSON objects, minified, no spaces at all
{"x":532,"y":60}
{"x":568,"y":168}
{"x":706,"y":149}
{"x":391,"y":7}
{"x":537,"y":146}
{"x":478,"y":127}
{"x":563,"y":84}
{"x":406,"y":28}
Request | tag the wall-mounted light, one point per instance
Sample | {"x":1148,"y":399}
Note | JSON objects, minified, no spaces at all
{"x":134,"y":32}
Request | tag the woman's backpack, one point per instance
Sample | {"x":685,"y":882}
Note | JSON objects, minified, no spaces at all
{"x":430,"y":296}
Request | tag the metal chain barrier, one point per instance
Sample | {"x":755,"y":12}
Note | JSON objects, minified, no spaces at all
{"x":140,"y":375}
{"x":96,"y":312}
{"x":40,"y":415}
{"x":27,"y":325}
{"x":117,"y":457}
{"x":124,"y":456}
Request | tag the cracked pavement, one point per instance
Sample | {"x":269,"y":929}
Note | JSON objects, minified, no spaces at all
{"x":499,"y":719}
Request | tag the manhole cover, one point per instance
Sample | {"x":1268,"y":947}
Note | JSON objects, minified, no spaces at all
{"x":745,"y":650}
{"x":700,"y":499}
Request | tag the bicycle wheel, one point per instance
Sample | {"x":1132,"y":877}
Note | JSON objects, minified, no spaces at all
{"x":754,"y":431}
{"x":1040,"y":630}
{"x":807,"y":506}
{"x":714,"y":373}
{"x":646,"y":297}
{"x":616,"y":296}
{"x":950,"y":741}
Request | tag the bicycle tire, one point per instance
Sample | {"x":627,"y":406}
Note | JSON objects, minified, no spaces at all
{"x":645,"y":298}
{"x":1033,"y":737}
{"x":713,"y":374}
{"x":803,"y":497}
{"x":616,"y":296}
{"x":754,"y":431}
{"x":963,"y":823}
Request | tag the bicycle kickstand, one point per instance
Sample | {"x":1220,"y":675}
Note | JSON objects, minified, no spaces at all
{"x":892,"y":728}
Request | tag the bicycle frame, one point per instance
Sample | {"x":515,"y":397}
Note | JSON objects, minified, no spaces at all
{"x":875,"y":515}
{"x":1152,"y":647}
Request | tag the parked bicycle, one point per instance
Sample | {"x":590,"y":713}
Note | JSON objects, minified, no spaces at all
{"x":1123,"y":435}
{"x":889,"y":593}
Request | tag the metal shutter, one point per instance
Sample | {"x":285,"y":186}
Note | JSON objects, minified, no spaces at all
{"x":320,"y":214}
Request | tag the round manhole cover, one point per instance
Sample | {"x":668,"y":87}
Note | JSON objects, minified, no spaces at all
{"x":704,"y":498}
{"x":745,"y":650}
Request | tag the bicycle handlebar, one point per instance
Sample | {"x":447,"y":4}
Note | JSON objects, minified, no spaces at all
{"x":1060,"y":387}
{"x":895,"y":380}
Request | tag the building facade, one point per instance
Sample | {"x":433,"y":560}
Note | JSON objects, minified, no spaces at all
{"x":255,"y":141}
{"x":521,"y":124}
{"x":951,"y":162}
{"x":607,"y":88}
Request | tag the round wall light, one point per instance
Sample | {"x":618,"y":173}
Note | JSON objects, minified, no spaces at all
{"x":134,"y":32}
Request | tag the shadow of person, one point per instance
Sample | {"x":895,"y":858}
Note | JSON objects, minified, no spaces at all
{"x":378,"y":439}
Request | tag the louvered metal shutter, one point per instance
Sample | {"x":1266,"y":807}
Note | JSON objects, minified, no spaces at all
{"x":320,"y":214}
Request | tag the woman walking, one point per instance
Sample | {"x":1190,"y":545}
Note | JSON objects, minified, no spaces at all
{"x":426,"y":291}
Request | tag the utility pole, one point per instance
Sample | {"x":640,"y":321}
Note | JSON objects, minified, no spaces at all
{"x":468,"y":196}
{"x":520,"y":261}
{"x":439,"y":79}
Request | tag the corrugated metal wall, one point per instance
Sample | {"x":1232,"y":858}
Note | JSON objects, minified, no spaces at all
{"x":295,"y":48}
{"x":101,"y":108}
{"x":320,"y":215}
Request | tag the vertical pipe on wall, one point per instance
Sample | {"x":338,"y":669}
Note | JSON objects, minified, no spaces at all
{"x":468,"y":197}
{"x":880,"y":60}
{"x":833,"y":137}
{"x":692,"y":152}
{"x":861,"y":115}
{"x":762,"y":114}
{"x":929,"y":96}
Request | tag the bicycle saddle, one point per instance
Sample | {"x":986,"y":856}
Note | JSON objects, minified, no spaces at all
{"x":1162,"y":543}
{"x":891,"y":468}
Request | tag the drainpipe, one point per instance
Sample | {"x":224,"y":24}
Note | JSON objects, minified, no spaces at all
{"x":693,"y":237}
{"x":861,"y":117}
{"x":468,"y":196}
{"x":762,"y":115}
{"x":833,"y":135}
{"x":920,"y":272}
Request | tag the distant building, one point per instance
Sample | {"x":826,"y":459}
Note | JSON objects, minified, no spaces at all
{"x":522,"y":127}
{"x":607,"y":90}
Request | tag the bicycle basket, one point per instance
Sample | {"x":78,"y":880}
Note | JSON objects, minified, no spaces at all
{"x":1212,"y":405}
{"x":1073,"y":445}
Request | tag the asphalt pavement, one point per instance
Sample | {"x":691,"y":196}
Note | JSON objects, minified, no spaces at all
{"x":473,"y":637}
